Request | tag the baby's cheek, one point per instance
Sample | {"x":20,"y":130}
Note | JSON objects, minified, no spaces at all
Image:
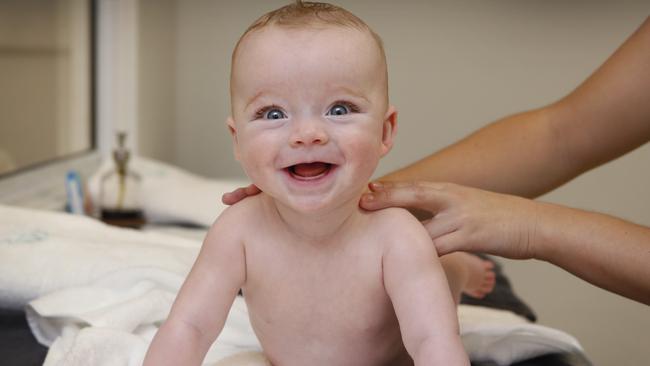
{"x":367,"y":157}
{"x":252,"y":164}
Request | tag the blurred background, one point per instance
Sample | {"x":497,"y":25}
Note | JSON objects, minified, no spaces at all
{"x":159,"y":69}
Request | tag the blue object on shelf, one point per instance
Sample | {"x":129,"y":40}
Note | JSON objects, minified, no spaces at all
{"x":74,"y":191}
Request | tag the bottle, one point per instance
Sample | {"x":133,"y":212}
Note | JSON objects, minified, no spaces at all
{"x":119,"y":190}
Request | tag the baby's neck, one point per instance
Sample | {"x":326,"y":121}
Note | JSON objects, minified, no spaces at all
{"x":321,"y":227}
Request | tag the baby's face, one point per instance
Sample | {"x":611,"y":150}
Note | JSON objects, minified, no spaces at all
{"x":310,"y":116}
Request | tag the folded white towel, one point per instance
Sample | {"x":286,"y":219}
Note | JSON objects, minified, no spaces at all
{"x":484,"y":335}
{"x":110,"y":338}
{"x":42,"y":252}
{"x":170,"y":194}
{"x":98,"y":346}
{"x":122,"y":300}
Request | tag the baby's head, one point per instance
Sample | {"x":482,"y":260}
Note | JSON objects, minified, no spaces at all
{"x":313,"y":16}
{"x":309,"y":102}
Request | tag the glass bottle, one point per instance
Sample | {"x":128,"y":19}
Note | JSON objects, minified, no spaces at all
{"x":120,"y":190}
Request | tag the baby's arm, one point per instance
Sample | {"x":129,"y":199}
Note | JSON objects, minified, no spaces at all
{"x":418,"y":289}
{"x":202,"y":305}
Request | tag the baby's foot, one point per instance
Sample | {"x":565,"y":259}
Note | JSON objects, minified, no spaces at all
{"x":481,"y":279}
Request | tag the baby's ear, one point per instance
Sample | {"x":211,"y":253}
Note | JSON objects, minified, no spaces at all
{"x":233,"y":133}
{"x":389,"y":130}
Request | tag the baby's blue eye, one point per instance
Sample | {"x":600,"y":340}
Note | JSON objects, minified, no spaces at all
{"x":274,"y":114}
{"x":338,"y":110}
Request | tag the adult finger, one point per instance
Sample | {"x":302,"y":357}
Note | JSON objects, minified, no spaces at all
{"x":239,"y":194}
{"x":423,"y":195}
{"x":437,"y":227}
{"x":449,"y":243}
{"x":252,"y":190}
{"x":233,"y":197}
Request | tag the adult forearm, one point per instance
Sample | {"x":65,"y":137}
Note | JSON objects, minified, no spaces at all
{"x":514,"y":155}
{"x":608,"y":252}
{"x":531,"y":153}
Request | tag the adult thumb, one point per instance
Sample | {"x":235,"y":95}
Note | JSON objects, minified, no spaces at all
{"x":425,"y":196}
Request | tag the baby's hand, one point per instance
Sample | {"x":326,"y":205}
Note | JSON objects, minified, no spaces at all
{"x":239,"y":194}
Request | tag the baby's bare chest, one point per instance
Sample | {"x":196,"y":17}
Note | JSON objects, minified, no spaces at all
{"x":321,"y":301}
{"x":330,"y":283}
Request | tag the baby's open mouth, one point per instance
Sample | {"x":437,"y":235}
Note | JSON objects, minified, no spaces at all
{"x":306,"y":171}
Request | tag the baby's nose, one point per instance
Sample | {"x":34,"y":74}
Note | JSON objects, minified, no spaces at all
{"x":306,"y":133}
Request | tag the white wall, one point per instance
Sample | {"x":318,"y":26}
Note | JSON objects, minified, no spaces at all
{"x":454,"y":66}
{"x":157,"y":55}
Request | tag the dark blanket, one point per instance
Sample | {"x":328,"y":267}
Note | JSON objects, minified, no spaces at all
{"x":18,"y":347}
{"x":547,"y":360}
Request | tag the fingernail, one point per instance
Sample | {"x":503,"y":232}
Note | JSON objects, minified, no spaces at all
{"x":376,"y":186}
{"x":368,"y":197}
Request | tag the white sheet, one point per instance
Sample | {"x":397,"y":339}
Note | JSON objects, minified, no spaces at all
{"x":97,"y":295}
{"x":504,"y":338}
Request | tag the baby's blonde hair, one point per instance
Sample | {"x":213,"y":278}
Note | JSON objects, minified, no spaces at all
{"x":306,"y":14}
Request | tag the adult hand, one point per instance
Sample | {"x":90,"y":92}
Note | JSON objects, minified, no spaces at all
{"x":464,"y":219}
{"x":239,"y":194}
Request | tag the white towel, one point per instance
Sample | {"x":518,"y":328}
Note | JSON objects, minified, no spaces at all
{"x":488,"y":335}
{"x":42,"y":252}
{"x":110,"y":338}
{"x":170,"y":194}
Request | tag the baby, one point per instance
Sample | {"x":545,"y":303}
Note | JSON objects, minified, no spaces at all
{"x":325,"y":282}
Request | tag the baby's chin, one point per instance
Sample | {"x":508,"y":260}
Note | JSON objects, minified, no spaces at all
{"x":333,"y":192}
{"x":321,"y":203}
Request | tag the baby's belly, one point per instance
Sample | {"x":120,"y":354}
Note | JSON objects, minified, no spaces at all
{"x":322,"y":337}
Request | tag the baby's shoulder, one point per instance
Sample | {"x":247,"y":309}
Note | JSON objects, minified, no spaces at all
{"x":394,"y":216}
{"x":239,"y":215}
{"x":396,"y":225}
{"x":243,"y":209}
